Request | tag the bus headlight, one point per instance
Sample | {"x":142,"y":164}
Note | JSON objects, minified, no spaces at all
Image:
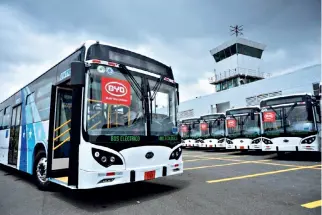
{"x":175,"y":155}
{"x":256,"y":141}
{"x":229,"y":141}
{"x":308,"y":140}
{"x":106,"y":159}
{"x":221,"y":140}
{"x":267,"y":141}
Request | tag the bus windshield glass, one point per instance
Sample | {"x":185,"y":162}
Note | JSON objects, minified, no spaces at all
{"x":243,"y":126}
{"x":184,"y":131}
{"x":163,"y":107}
{"x":217,"y":128}
{"x":113,"y":106}
{"x":288,"y":120}
{"x":195,"y":130}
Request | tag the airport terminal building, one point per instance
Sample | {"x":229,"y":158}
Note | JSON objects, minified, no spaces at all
{"x":240,"y":86}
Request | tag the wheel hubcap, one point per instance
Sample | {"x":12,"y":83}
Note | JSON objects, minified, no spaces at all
{"x":42,"y":170}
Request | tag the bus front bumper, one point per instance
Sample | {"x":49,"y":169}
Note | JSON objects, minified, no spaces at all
{"x":91,"y":179}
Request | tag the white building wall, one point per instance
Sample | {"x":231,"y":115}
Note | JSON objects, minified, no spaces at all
{"x":296,"y":82}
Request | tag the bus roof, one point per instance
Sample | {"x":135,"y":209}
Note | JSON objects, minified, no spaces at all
{"x":243,"y":108}
{"x":285,"y":96}
{"x":104,"y":51}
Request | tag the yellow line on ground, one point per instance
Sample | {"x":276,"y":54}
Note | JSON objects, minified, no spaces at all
{"x":312,"y":205}
{"x":213,"y":158}
{"x":216,"y":165}
{"x":63,"y":179}
{"x":259,"y":174}
{"x":286,"y":165}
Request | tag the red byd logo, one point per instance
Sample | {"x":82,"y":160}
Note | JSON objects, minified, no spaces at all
{"x":116,"y":91}
{"x":269,"y":116}
{"x":184,"y":128}
{"x":204,"y":126}
{"x":231,"y":123}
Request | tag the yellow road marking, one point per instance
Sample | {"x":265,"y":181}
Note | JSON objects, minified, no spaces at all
{"x":213,"y":158}
{"x":259,"y":174}
{"x":314,"y":204}
{"x":62,"y":179}
{"x":286,"y":165}
{"x":216,"y":165}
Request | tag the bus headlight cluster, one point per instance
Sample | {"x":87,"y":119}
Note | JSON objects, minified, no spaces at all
{"x":106,"y":159}
{"x":176,"y":154}
{"x":267,"y":141}
{"x":256,"y":141}
{"x":222,"y":140}
{"x":229,"y":141}
{"x":308,"y":140}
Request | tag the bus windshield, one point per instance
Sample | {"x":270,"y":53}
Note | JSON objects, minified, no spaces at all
{"x":163,"y":106}
{"x":217,"y":128}
{"x":243,"y":126}
{"x":288,"y":120}
{"x":113,"y":105}
{"x":184,"y":131}
{"x":195,"y":130}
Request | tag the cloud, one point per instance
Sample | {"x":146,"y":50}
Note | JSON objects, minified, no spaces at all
{"x":34,"y":37}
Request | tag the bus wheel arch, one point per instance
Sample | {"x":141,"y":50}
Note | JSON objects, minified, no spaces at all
{"x":40,"y":167}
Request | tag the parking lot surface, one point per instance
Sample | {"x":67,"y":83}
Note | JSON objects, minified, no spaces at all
{"x":214,"y":182}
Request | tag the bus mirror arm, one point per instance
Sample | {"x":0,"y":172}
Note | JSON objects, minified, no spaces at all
{"x":77,"y":74}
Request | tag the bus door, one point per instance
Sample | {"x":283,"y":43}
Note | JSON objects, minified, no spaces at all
{"x":64,"y":134}
{"x":59,"y":134}
{"x":14,"y":135}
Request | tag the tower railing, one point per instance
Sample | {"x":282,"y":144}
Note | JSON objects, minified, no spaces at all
{"x":237,"y":71}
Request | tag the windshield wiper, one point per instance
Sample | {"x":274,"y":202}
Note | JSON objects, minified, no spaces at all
{"x":275,"y":111}
{"x":129,"y":77}
{"x":290,"y":110}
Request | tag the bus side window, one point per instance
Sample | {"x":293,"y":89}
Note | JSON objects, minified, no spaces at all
{"x":29,"y":113}
{"x":1,"y":119}
{"x":7,"y":117}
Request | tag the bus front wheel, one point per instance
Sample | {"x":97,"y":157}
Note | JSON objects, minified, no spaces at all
{"x":40,"y":171}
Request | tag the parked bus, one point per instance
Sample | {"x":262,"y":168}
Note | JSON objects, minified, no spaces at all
{"x":291,"y":123}
{"x":87,"y":122}
{"x":243,"y":128}
{"x":192,"y":126}
{"x":184,"y":133}
{"x":213,"y":130}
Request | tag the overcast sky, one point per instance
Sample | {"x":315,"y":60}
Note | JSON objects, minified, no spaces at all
{"x":36,"y":34}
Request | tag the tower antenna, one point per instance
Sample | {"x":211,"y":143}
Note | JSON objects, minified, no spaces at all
{"x":236,"y":30}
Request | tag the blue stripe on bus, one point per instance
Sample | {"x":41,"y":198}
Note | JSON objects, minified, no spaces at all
{"x":24,"y":149}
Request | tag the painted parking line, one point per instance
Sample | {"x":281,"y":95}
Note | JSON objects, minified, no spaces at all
{"x":216,"y":165}
{"x":259,"y":174}
{"x":265,"y":161}
{"x":213,"y":158}
{"x":286,"y":165}
{"x":312,"y":205}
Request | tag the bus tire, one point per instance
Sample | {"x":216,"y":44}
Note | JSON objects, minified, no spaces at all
{"x":40,"y":171}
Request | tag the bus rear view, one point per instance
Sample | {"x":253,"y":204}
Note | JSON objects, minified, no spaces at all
{"x":291,"y":123}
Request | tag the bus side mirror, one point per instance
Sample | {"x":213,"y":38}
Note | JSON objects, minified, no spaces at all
{"x":77,"y":76}
{"x":218,"y":123}
{"x":252,"y":115}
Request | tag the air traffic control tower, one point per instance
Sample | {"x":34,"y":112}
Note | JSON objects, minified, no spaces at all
{"x":237,"y":63}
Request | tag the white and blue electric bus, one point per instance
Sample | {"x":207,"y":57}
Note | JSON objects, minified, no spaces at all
{"x":213,"y":131}
{"x":291,"y":123}
{"x":92,"y":121}
{"x":191,"y":130}
{"x":243,"y":128}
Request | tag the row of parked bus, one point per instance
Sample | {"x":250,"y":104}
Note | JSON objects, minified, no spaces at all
{"x":281,"y":124}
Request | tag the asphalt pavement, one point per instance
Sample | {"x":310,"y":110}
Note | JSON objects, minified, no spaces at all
{"x":214,"y":182}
